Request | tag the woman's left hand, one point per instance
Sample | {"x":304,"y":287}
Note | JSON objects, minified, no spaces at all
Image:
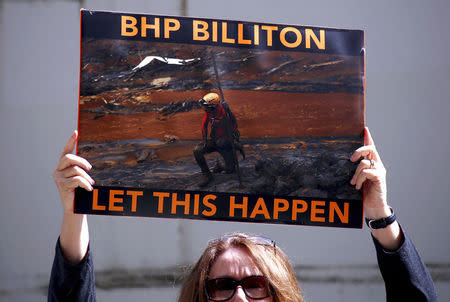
{"x":371,"y":176}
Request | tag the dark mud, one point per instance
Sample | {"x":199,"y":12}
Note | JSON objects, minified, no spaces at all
{"x":305,"y":167}
{"x":109,"y":65}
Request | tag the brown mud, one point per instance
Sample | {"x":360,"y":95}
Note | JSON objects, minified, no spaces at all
{"x":260,"y":114}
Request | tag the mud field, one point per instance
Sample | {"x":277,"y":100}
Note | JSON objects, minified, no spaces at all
{"x":312,"y":167}
{"x":300,"y":116}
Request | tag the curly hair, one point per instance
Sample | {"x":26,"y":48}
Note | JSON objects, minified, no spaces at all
{"x":270,"y":259}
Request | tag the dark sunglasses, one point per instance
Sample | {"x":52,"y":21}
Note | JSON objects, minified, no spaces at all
{"x":223,"y":289}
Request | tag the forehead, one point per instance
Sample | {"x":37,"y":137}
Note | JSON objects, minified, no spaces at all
{"x":234,"y":262}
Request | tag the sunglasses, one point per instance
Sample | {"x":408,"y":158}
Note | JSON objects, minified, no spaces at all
{"x":223,"y":289}
{"x":259,"y":240}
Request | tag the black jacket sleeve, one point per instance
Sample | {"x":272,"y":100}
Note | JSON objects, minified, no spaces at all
{"x":69,"y":282}
{"x":405,"y":275}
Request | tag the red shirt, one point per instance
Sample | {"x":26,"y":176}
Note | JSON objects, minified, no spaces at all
{"x":218,"y":119}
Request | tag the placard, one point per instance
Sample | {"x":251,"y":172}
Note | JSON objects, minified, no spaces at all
{"x":221,"y":120}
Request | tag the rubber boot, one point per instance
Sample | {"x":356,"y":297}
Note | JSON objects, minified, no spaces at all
{"x":229,"y":162}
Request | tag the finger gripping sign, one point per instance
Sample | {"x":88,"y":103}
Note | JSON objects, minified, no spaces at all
{"x":220,"y":120}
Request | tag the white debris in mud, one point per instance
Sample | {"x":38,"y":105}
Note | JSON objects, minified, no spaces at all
{"x":171,"y":61}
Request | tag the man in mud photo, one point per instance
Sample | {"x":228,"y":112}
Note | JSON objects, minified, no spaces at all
{"x":224,"y":138}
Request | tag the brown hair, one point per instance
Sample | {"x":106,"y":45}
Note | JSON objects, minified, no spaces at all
{"x":270,"y":259}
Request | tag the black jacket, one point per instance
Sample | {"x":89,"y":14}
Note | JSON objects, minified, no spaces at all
{"x":405,"y":275}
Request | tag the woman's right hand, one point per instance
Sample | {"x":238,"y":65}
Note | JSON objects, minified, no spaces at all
{"x":70,"y":173}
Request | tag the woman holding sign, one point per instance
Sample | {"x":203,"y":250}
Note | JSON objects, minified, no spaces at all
{"x":240,"y":267}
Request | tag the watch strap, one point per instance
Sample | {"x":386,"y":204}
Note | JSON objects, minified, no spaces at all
{"x":375,"y":224}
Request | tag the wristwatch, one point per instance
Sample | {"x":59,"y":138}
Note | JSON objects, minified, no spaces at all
{"x":375,"y":224}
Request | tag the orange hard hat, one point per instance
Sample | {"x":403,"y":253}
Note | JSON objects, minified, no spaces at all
{"x":210,"y":99}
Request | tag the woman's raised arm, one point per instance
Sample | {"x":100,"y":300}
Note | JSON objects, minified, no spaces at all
{"x":69,"y":174}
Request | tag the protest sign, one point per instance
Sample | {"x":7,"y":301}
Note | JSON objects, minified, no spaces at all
{"x":222,"y":120}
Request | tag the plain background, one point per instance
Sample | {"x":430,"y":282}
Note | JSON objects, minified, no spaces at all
{"x":407,"y":108}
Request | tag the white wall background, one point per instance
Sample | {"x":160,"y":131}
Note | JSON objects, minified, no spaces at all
{"x":407,"y":108}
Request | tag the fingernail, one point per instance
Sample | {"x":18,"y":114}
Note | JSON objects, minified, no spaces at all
{"x":91,"y":188}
